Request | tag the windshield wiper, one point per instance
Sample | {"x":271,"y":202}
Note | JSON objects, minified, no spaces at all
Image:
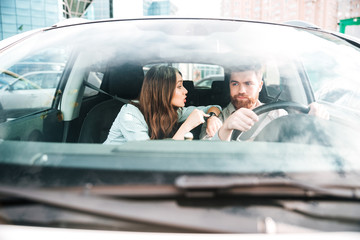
{"x":206,"y":186}
{"x":160,"y":213}
{"x":168,"y":213}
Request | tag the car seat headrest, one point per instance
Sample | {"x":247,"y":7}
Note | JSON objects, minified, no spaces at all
{"x":218,"y":87}
{"x":125,"y":81}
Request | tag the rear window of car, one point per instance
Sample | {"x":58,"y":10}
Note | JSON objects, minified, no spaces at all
{"x":196,"y":74}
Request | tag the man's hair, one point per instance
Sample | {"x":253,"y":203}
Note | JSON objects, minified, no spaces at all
{"x":251,"y":66}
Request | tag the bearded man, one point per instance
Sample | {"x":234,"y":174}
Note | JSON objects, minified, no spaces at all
{"x":245,"y":86}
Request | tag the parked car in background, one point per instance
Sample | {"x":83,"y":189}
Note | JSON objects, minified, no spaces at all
{"x":207,"y":81}
{"x":299,"y":176}
{"x":33,"y":91}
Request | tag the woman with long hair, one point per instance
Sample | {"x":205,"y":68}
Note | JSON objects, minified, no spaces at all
{"x":160,"y":112}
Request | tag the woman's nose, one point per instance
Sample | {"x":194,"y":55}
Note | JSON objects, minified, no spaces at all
{"x":185,"y":91}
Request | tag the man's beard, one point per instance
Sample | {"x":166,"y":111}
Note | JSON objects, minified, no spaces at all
{"x":249,"y":102}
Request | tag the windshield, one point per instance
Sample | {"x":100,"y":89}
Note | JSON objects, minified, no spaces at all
{"x":87,"y":108}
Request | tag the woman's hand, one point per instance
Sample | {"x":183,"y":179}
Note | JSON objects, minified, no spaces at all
{"x":212,"y":126}
{"x":195,"y":118}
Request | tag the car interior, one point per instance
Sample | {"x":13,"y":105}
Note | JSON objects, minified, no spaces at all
{"x":95,"y":91}
{"x":124,"y":82}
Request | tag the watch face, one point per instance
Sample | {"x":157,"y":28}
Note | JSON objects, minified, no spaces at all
{"x":212,"y":114}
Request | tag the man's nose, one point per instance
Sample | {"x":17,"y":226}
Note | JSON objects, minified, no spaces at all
{"x":241,"y":88}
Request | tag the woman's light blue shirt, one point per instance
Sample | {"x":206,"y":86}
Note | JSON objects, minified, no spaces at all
{"x":130,"y":124}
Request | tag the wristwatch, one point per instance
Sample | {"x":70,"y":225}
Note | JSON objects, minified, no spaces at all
{"x":211,"y":114}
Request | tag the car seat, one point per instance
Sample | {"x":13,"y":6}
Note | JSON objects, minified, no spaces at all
{"x":123,"y":81}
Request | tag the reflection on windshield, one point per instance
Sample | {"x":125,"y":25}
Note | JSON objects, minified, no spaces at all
{"x":331,"y":67}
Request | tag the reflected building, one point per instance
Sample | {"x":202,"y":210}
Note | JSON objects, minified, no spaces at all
{"x":17,"y":16}
{"x":349,"y":17}
{"x":158,"y":7}
{"x":99,"y":9}
{"x":349,"y":9}
{"x":75,"y":8}
{"x":139,"y":8}
{"x":319,"y":12}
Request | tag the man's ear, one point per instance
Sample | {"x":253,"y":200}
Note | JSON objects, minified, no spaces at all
{"x":261,"y":85}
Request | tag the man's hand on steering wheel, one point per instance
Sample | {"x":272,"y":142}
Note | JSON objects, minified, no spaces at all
{"x":319,"y":110}
{"x":242,"y":119}
{"x":235,"y":132}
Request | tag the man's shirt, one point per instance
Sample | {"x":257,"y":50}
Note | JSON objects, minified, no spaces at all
{"x":230,"y":109}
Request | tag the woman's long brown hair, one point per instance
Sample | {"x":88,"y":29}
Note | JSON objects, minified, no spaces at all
{"x":155,"y":101}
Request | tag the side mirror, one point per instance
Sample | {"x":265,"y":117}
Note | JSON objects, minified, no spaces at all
{"x":9,"y":88}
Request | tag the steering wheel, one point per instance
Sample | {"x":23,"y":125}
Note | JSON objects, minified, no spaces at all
{"x":269,"y":107}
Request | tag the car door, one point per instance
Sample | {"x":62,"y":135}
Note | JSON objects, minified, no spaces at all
{"x":27,"y":107}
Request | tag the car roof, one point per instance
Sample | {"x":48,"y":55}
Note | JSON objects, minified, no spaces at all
{"x":81,"y":21}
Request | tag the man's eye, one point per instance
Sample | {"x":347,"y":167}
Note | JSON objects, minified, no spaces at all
{"x":234,"y":84}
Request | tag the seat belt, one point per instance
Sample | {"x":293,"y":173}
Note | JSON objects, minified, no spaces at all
{"x":93,"y":87}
